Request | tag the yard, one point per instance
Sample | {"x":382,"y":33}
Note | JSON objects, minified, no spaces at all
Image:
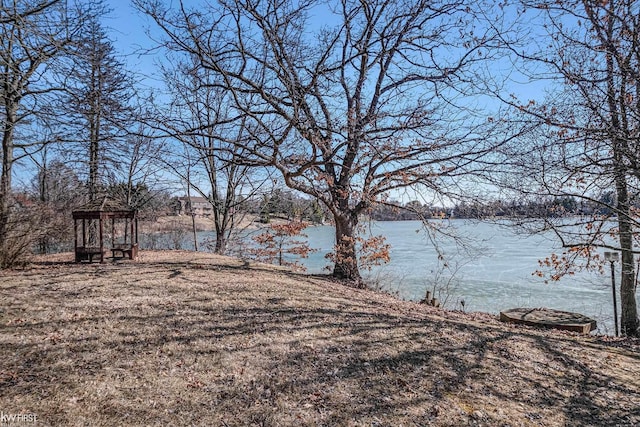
{"x":184,"y":338}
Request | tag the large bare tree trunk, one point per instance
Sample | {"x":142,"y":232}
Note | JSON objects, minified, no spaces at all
{"x":346,"y":258}
{"x":619,"y":126}
{"x":5,"y":178}
{"x":10,"y":121}
{"x":94,"y":118}
{"x":221,"y":241}
{"x":630,"y":325}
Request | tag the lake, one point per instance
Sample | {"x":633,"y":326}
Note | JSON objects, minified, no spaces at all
{"x":492,"y":272}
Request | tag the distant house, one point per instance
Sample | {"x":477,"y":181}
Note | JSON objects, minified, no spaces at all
{"x":198,"y":206}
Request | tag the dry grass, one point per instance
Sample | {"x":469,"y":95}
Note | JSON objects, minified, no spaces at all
{"x":192,"y":339}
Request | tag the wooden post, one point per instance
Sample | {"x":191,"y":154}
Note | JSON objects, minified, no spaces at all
{"x":615,"y":301}
{"x":195,"y":234}
{"x":101,"y":241}
{"x":75,"y":238}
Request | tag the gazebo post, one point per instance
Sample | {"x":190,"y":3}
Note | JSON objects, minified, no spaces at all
{"x":101,"y":241}
{"x":84,"y":233}
{"x":113,"y":232}
{"x":75,"y":237}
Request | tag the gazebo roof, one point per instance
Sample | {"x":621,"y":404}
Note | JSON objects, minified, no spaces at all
{"x":106,"y":208}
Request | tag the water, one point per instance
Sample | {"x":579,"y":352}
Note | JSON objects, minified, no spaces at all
{"x":492,"y":271}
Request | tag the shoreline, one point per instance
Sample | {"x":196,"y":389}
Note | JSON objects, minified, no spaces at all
{"x":191,"y":256}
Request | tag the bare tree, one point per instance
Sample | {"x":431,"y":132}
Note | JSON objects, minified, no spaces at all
{"x":142,"y":167}
{"x":587,"y":139}
{"x":354,"y":108}
{"x":98,"y":105}
{"x":213,"y":136}
{"x":32,"y":35}
{"x":7,"y":17}
{"x":56,"y":191}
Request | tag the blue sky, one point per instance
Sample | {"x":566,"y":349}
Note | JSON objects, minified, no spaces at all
{"x":127,"y":29}
{"x":125,"y":25}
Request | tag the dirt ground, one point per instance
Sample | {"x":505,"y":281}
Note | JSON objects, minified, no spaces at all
{"x":182,"y":338}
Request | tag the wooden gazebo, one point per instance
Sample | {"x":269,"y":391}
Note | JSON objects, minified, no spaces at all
{"x":92,"y":239}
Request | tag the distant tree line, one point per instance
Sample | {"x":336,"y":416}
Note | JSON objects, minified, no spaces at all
{"x":548,"y":207}
{"x":543,"y":207}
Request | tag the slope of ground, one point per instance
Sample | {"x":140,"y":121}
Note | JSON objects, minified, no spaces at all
{"x":184,"y":338}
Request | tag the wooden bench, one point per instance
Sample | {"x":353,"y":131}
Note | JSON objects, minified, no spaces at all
{"x":85,"y":253}
{"x":131,"y":251}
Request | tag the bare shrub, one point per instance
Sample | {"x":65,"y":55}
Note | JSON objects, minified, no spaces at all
{"x":24,"y":230}
{"x":177,"y":235}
